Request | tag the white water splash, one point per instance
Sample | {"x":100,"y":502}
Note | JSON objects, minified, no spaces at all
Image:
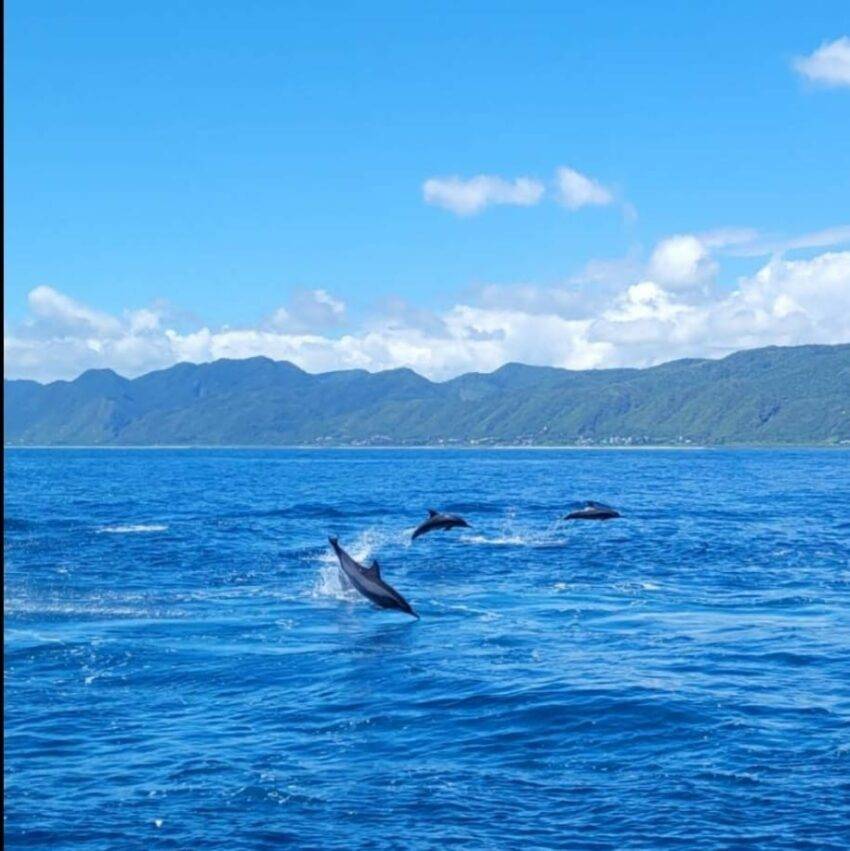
{"x":515,"y":540}
{"x":331,"y":581}
{"x":133,"y":528}
{"x":513,"y":534}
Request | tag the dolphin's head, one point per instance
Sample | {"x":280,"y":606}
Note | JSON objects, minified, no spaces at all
{"x":400,"y":603}
{"x":407,"y":608}
{"x":333,"y":541}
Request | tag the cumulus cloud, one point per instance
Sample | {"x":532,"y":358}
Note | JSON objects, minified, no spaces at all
{"x":828,"y":65}
{"x":682,"y":261}
{"x":787,"y":302}
{"x":576,"y":190}
{"x":646,"y":321}
{"x":471,"y":196}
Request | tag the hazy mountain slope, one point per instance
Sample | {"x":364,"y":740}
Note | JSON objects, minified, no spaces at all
{"x":773,"y":395}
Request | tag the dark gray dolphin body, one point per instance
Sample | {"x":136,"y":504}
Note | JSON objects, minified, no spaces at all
{"x":367,"y":580}
{"x":593,"y":511}
{"x":437,"y":520}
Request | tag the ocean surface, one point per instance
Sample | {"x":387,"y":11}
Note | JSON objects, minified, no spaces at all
{"x":183,"y":668}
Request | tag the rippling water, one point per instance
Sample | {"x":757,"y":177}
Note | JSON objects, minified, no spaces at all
{"x":184,"y":670}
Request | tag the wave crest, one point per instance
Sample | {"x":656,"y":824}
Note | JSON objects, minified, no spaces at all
{"x":132,"y":528}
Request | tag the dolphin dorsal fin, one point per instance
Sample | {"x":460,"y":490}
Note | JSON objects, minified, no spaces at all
{"x":432,"y":513}
{"x":373,"y":571}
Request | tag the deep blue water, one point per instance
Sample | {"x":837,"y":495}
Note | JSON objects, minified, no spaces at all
{"x":182,"y":669}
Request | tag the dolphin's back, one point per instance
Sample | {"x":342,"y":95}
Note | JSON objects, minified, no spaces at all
{"x":593,"y":511}
{"x":437,"y":520}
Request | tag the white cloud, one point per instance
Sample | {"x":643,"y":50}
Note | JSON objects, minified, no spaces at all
{"x":827,"y":238}
{"x":818,"y":239}
{"x":330,"y":306}
{"x":63,"y":312}
{"x":829,"y":64}
{"x":686,"y":261}
{"x":576,"y":190}
{"x":786,"y":302}
{"x":309,"y":309}
{"x":467,"y":197}
{"x":143,"y":320}
{"x":682,"y":261}
{"x":578,"y":301}
{"x":726,"y":237}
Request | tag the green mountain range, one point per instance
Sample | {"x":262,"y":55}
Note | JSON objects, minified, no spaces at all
{"x":768,"y":396}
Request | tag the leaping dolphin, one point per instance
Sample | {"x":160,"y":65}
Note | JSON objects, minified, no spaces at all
{"x":367,"y":580}
{"x":593,"y":511}
{"x":438,"y":520}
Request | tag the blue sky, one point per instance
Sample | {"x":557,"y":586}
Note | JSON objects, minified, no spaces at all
{"x":211,"y":163}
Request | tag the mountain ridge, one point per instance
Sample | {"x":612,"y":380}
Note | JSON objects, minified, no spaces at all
{"x":774,"y":395}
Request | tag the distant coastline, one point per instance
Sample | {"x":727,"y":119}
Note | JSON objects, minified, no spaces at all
{"x":794,"y":396}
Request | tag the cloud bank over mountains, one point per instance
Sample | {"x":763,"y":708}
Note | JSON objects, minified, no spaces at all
{"x":633,"y":311}
{"x":623,"y":313}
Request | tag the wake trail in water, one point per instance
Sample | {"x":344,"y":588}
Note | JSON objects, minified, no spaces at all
{"x":514,"y":534}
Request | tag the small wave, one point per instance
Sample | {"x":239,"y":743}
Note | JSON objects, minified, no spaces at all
{"x":786,"y":657}
{"x":497,"y":541}
{"x":635,"y":586}
{"x":86,"y":609}
{"x":318,"y":510}
{"x":474,"y":507}
{"x":132,"y":528}
{"x":25,"y":640}
{"x":302,"y":510}
{"x":452,"y":608}
{"x":16,"y":524}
